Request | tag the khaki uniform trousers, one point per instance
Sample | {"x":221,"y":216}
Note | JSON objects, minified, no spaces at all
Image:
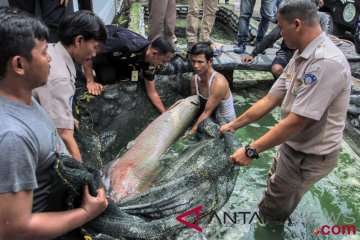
{"x":291,"y":176}
{"x":162,"y":18}
{"x":208,"y":19}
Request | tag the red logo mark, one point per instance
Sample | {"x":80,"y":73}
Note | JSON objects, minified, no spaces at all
{"x":316,"y":231}
{"x":196,"y":210}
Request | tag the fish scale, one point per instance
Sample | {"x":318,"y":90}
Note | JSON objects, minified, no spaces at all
{"x":138,"y":167}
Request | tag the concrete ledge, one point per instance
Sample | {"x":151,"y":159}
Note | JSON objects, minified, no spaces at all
{"x":107,"y":9}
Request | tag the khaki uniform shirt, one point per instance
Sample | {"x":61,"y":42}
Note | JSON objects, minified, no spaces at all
{"x":56,"y":96}
{"x":316,"y":84}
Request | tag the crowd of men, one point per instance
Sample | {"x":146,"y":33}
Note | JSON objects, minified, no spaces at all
{"x":35,"y":131}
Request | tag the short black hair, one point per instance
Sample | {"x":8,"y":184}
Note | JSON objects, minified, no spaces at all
{"x":84,"y":23}
{"x":163,"y":45}
{"x":18,"y":31}
{"x":304,"y":10}
{"x":202,"y":48}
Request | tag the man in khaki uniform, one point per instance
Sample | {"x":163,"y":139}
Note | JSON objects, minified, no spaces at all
{"x":314,"y":90}
{"x":80,"y":37}
{"x":162,"y":19}
{"x":207,"y":23}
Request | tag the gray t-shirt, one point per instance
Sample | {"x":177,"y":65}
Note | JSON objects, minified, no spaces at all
{"x":28,"y":146}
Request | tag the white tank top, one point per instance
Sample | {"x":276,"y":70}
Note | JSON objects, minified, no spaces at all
{"x":226,"y":106}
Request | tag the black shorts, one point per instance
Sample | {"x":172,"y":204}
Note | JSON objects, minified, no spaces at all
{"x":283,"y":57}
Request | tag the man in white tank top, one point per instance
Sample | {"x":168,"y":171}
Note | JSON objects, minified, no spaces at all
{"x":211,"y":86}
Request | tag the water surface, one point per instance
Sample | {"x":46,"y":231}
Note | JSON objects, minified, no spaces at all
{"x":333,"y":201}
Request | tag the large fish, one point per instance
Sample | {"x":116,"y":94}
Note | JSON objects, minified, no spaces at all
{"x":137,"y":168}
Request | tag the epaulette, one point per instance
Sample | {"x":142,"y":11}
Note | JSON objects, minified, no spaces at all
{"x":320,"y":52}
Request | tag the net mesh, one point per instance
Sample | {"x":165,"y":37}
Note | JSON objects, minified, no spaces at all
{"x":195,"y":171}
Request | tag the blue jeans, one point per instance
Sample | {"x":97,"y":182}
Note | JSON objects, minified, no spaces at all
{"x":267,"y":12}
{"x":357,"y":36}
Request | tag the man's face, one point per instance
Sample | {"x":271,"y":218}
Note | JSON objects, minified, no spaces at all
{"x":86,"y":50}
{"x":200,"y":64}
{"x":288,"y":32}
{"x":38,"y":68}
{"x":157,"y":59}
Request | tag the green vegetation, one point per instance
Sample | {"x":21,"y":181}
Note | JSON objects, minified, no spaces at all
{"x":134,"y":24}
{"x":181,"y":22}
{"x":247,"y":75}
{"x":121,"y":21}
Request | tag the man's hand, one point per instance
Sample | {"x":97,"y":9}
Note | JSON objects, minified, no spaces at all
{"x":76,"y":123}
{"x":193,"y":130}
{"x":93,"y":206}
{"x":239,"y":158}
{"x":94,"y":88}
{"x":64,"y":2}
{"x":227,"y":128}
{"x":248,"y":59}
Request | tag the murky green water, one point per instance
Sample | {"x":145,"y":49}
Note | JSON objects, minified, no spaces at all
{"x":332,"y":201}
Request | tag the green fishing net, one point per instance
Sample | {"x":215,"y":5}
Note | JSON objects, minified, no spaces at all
{"x":195,"y":171}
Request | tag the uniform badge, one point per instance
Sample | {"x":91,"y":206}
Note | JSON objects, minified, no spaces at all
{"x":117,"y":54}
{"x":309,"y":79}
{"x":134,"y":76}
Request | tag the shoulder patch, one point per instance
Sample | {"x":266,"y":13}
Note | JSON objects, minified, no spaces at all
{"x":309,"y":78}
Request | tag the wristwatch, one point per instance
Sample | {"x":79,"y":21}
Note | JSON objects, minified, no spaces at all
{"x":250,"y":152}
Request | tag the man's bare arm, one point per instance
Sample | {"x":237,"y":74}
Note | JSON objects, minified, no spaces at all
{"x":154,"y":96}
{"x":18,"y":222}
{"x":218,"y":91}
{"x":285,"y":129}
{"x":67,"y":135}
{"x":93,"y":87}
{"x":254,"y":113}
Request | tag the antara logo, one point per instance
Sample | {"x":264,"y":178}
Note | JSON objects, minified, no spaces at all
{"x":196,"y":210}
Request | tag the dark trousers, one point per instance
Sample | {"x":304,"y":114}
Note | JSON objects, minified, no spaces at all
{"x":51,"y":12}
{"x":357,"y":36}
{"x":291,"y":176}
